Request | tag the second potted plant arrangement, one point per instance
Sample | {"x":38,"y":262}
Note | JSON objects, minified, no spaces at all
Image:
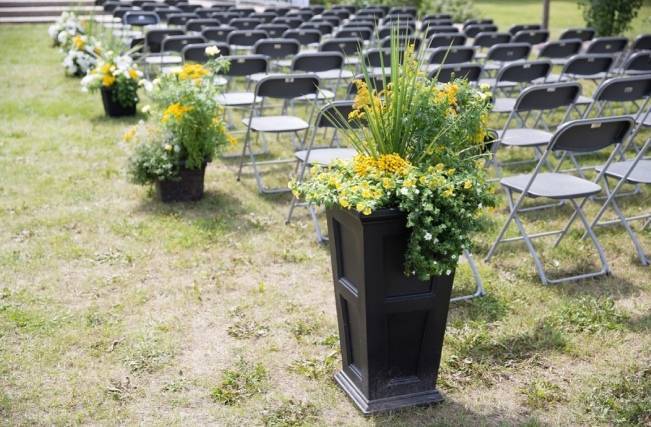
{"x":399,"y":216}
{"x":187,"y":132}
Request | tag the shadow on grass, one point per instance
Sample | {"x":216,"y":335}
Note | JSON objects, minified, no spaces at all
{"x":615,"y":287}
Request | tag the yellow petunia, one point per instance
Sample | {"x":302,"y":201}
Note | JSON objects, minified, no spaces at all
{"x":467,"y":184}
{"x":175,"y":110}
{"x":193,"y":72}
{"x":129,"y":134}
{"x":108,"y":81}
{"x":133,"y":73}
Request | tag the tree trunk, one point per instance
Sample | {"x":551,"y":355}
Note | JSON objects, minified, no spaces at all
{"x":545,"y":17}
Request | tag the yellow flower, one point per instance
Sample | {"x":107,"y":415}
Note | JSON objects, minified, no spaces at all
{"x":409,"y":183}
{"x":78,"y":42}
{"x":451,"y":171}
{"x":105,"y":69}
{"x":448,"y":192}
{"x":108,"y":80}
{"x":168,"y":147}
{"x":175,"y":110}
{"x":467,"y":184}
{"x":133,"y":73}
{"x":366,"y":211}
{"x":129,"y":134}
{"x":344,"y":202}
{"x":387,"y":183}
{"x":193,"y":72}
{"x":393,"y":163}
{"x":367,"y":194}
{"x":231,"y":139}
{"x":439,"y":167}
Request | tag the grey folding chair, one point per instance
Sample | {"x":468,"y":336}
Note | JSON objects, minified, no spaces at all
{"x":449,"y":55}
{"x":583,"y":34}
{"x":275,"y":31}
{"x":279,"y":51}
{"x":533,"y":37}
{"x":445,"y":40}
{"x":245,"y":39}
{"x":636,"y":172}
{"x":524,"y":27}
{"x":536,"y":103}
{"x":217,"y":34}
{"x":197,"y":25}
{"x":559,"y":51}
{"x":502,"y":54}
{"x":585,"y":135}
{"x":484,"y":41}
{"x":637,"y":63}
{"x":447,"y":73}
{"x":471,"y":31}
{"x":349,"y":47}
{"x":513,"y":77}
{"x":328,"y":67}
{"x":280,"y":87}
{"x":304,"y":36}
{"x":197,"y":52}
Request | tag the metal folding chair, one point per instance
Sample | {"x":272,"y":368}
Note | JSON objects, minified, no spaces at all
{"x":513,"y":77}
{"x":503,"y":54}
{"x":636,"y":172}
{"x":445,"y":40}
{"x":447,"y":73}
{"x":583,"y":34}
{"x":197,"y":52}
{"x":472,"y":31}
{"x":279,"y":52}
{"x":217,"y":34}
{"x":524,"y":27}
{"x":349,"y":47}
{"x":585,"y":135}
{"x":328,"y":67}
{"x":449,"y":55}
{"x":197,"y":25}
{"x":245,"y":39}
{"x":275,"y":31}
{"x":559,"y":51}
{"x":285,"y":88}
{"x":533,"y":37}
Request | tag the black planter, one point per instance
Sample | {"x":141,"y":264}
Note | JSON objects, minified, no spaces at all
{"x":112,"y":108}
{"x":188,"y":188}
{"x":391,"y":327}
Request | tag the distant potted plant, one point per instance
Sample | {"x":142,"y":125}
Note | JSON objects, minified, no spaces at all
{"x":399,"y":216}
{"x":117,"y":78}
{"x":64,"y":28}
{"x":189,"y":130}
{"x":81,"y":54}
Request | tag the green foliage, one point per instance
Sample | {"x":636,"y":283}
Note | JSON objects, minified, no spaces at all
{"x":588,"y":315}
{"x":610,"y":17}
{"x":625,"y":400}
{"x":461,"y":10}
{"x":242,"y":382}
{"x":291,"y":413}
{"x":315,"y":368}
{"x":541,"y":393}
{"x":154,"y":158}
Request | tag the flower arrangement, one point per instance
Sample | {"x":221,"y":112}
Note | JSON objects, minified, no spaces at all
{"x":420,"y":151}
{"x":81,"y":54}
{"x":117,"y":74}
{"x":189,"y":126}
{"x":65,"y":28}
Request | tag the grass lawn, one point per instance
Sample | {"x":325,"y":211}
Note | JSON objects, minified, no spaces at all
{"x":116,"y":309}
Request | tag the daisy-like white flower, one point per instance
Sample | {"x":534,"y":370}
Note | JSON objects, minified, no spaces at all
{"x":212,"y":51}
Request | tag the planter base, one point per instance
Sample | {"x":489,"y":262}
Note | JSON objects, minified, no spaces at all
{"x":369,"y":407}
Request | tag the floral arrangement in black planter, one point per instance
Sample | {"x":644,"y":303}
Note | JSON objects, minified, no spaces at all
{"x":172,"y":153}
{"x":399,"y":215}
{"x":117,"y":78}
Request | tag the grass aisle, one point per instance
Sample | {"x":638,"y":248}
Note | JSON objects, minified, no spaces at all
{"x":115,"y":309}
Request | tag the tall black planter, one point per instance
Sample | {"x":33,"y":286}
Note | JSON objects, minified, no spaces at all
{"x":188,"y":188}
{"x":112,"y":108}
{"x":391,"y":327}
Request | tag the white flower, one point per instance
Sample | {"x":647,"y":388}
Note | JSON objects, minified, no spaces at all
{"x":147,"y":85}
{"x":485,"y":87}
{"x":404,"y":191}
{"x":448,"y":272}
{"x":427,"y":236}
{"x":212,"y":51}
{"x":146,"y":109}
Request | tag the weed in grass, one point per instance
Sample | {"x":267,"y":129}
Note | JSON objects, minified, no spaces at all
{"x":291,"y":413}
{"x":624,"y":400}
{"x":331,"y":341}
{"x":306,"y":326}
{"x":177,"y":385}
{"x":540,"y":393}
{"x":244,"y":327}
{"x":120,"y":390}
{"x":242,"y":382}
{"x":148,"y":353}
{"x":588,"y":315}
{"x":316,"y":368}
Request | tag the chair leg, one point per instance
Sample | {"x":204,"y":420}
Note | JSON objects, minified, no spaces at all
{"x":600,"y":250}
{"x":479,"y":286}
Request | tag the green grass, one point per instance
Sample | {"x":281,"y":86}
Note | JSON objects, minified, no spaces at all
{"x":115,"y":309}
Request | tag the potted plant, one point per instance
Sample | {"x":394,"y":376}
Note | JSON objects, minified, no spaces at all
{"x":81,"y":54}
{"x":117,"y":78}
{"x":399,"y":216}
{"x":189,"y":130}
{"x":64,"y":28}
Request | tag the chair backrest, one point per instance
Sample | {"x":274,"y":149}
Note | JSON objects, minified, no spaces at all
{"x":587,"y":65}
{"x":642,"y":42}
{"x":335,"y":21}
{"x":531,"y":36}
{"x":452,"y":55}
{"x":437,"y":16}
{"x":322,"y":27}
{"x":356,"y":32}
{"x":197,"y":52}
{"x":488,"y":40}
{"x":289,"y":21}
{"x":304,"y":37}
{"x":639,"y":62}
{"x":468,"y":22}
{"x":359,"y":23}
{"x":506,"y":52}
{"x":246,"y":65}
{"x":180,"y":19}
{"x":547,"y":97}
{"x":314,"y":62}
{"x":276,"y":48}
{"x":524,"y":72}
{"x":303,"y":15}
{"x":434,"y":22}
{"x":348,"y":46}
{"x":472,"y":30}
{"x":378,"y":58}
{"x":560,"y":49}
{"x":583,"y":34}
{"x":448,"y":73}
{"x":439,"y":29}
{"x":607,"y":45}
{"x":199,"y":24}
{"x":119,"y":12}
{"x":245,"y":23}
{"x":207,"y":13}
{"x":403,"y":10}
{"x":287,"y":86}
{"x":245,"y":37}
{"x":224,"y":16}
{"x":140,"y":18}
{"x":154,"y":37}
{"x":265,"y":17}
{"x":280,"y":11}
{"x":403,"y":42}
{"x":590,"y":135}
{"x":190,"y":8}
{"x":445,"y":40}
{"x":402,"y":30}
{"x":217,"y":34}
{"x":522,"y":27}
{"x":110,"y":6}
{"x":398,"y":18}
{"x":624,"y":89}
{"x":242,"y":11}
{"x":177,"y":43}
{"x":275,"y":31}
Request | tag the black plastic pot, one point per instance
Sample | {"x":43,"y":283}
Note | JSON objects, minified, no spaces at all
{"x":112,"y":108}
{"x":391,"y":327}
{"x":188,"y":188}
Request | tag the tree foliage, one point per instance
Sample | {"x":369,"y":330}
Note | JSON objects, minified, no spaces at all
{"x":610,"y":17}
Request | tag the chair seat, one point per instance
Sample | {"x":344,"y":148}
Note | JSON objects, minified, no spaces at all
{"x":255,"y":78}
{"x":552,"y":185}
{"x":285,"y":63}
{"x":276,"y":124}
{"x":504,"y":105}
{"x":323,"y":94}
{"x":351,"y":60}
{"x":524,"y":137}
{"x":553,"y":78}
{"x":335,"y":74}
{"x":502,"y":84}
{"x":154,"y":59}
{"x":583,"y":100}
{"x":325,"y":156}
{"x":640,"y":175}
{"x":647,"y":120}
{"x":235,"y":99}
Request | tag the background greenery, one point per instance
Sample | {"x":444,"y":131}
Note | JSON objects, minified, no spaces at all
{"x":115,"y":309}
